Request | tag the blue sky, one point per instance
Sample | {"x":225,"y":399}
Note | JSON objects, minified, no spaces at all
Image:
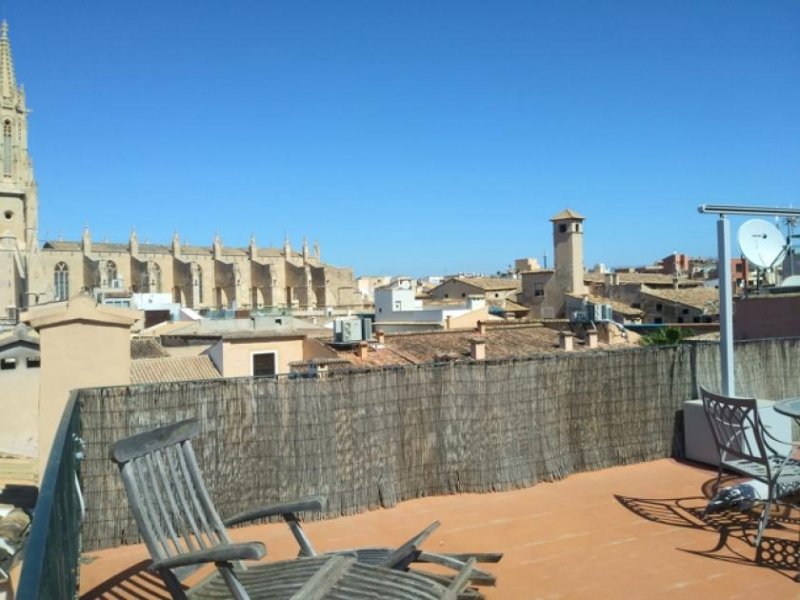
{"x":410,"y":137}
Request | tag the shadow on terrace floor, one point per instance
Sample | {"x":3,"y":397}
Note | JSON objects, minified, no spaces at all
{"x":632,"y":531}
{"x":734,"y":531}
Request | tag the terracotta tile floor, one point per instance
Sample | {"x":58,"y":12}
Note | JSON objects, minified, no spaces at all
{"x":626,"y":532}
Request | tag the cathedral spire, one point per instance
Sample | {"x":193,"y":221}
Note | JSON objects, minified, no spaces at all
{"x":8,"y":83}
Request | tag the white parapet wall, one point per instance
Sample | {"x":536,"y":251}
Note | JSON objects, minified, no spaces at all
{"x":699,"y":442}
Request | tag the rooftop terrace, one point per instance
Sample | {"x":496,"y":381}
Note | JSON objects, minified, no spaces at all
{"x":395,"y":449}
{"x":623,"y":532}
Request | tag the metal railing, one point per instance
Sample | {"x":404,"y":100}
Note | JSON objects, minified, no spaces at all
{"x":50,"y":566}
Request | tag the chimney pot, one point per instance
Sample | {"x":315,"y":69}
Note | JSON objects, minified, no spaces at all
{"x":591,"y":339}
{"x":380,"y":336}
{"x":565,"y":340}
{"x":363,"y":348}
{"x":477,"y":348}
{"x":481,"y":327}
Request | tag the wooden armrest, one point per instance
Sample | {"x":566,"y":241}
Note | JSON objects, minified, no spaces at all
{"x":477,"y":576}
{"x":221,"y":553}
{"x":286,"y":510}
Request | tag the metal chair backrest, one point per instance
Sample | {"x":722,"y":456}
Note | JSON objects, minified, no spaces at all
{"x":166,"y":491}
{"x":737,"y":430}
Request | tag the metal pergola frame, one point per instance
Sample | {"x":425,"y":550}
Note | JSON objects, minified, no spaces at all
{"x":724,"y":277}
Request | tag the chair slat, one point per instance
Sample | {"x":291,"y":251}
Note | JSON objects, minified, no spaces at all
{"x":181,"y":481}
{"x":210,"y":511}
{"x":140,"y":487}
{"x":205,"y":535}
{"x":157,"y":491}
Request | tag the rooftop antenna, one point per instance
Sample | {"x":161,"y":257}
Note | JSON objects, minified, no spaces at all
{"x":762,"y":244}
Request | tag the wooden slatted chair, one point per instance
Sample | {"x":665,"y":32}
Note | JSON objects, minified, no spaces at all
{"x":182,"y":530}
{"x":747,"y":448}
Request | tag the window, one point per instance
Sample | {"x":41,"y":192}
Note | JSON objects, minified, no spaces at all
{"x":197,"y":283}
{"x":155,"y":278}
{"x":7,"y":148}
{"x":562,"y":228}
{"x":264,"y":364}
{"x":685,"y":311}
{"x":6,"y":364}
{"x":497,"y":294}
{"x":659,"y":307}
{"x":658,"y":320}
{"x":110,"y":269}
{"x":61,"y":281}
{"x":463,"y":294}
{"x":33,"y":362}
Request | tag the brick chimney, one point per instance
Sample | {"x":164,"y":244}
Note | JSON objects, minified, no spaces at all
{"x":380,"y":336}
{"x":477,"y":348}
{"x":363,"y":348}
{"x":481,"y":327}
{"x":565,"y":340}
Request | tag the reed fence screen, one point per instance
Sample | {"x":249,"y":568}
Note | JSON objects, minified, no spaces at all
{"x":367,"y":439}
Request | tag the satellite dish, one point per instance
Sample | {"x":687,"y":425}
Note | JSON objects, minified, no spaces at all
{"x":761,"y":243}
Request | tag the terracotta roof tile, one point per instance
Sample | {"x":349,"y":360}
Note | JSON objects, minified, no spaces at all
{"x":699,"y":297}
{"x":177,"y":368}
{"x":147,"y":348}
{"x":645,"y":278}
{"x":490,"y":283}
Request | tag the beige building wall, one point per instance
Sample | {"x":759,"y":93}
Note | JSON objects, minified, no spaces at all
{"x":234,"y":358}
{"x":237,"y":355}
{"x":470,"y":319}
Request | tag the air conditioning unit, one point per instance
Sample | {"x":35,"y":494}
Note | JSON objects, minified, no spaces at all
{"x":347,"y":330}
{"x":608,"y":313}
{"x":366,"y":329}
{"x":594,"y":312}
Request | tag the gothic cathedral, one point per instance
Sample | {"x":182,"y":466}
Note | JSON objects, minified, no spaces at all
{"x":197,"y":277}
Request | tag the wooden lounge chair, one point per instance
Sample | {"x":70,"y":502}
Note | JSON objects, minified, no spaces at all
{"x":747,"y":448}
{"x":182,"y":530}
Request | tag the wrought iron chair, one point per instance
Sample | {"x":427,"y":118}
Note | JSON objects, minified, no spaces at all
{"x":746,"y":447}
{"x":182,"y":530}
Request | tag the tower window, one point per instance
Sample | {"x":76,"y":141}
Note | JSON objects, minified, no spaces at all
{"x":61,"y":281}
{"x":7,"y":148}
{"x":9,"y":214}
{"x":562,"y":228}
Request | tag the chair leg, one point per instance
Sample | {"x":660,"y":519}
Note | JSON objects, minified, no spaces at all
{"x":762,"y":523}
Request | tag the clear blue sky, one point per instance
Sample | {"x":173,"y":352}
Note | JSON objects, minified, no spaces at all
{"x":411,"y":137}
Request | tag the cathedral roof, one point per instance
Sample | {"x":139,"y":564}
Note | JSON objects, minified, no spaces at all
{"x":154,"y":249}
{"x":62,"y":246}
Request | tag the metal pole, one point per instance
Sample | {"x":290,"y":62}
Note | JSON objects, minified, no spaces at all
{"x":725,"y":307}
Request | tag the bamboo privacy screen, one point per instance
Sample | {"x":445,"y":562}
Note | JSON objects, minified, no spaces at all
{"x":373,"y":438}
